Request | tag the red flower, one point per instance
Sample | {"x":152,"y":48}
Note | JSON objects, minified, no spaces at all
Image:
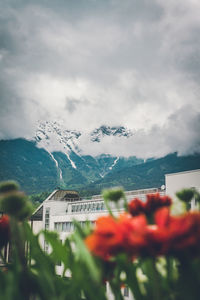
{"x":175,"y":235}
{"x":155,"y":201}
{"x":114,"y":236}
{"x":136,"y":207}
{"x":135,"y":233}
{"x":170,"y":235}
{"x":106,"y":239}
{"x":185,"y":233}
{"x":4,"y":230}
{"x":158,"y":234}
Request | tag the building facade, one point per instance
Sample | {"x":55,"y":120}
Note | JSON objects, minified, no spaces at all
{"x":177,"y":181}
{"x":62,"y":207}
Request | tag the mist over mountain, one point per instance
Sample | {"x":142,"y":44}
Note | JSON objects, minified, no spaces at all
{"x":54,"y":158}
{"x":53,"y":136}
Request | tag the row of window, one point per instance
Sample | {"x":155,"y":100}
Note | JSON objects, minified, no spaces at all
{"x":69,"y":226}
{"x":47,"y":213}
{"x":88,"y":207}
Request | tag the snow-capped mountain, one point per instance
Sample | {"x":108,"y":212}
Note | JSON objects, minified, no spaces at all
{"x":52,"y":136}
{"x":102,"y":131}
{"x":54,"y":158}
{"x":64,"y":148}
{"x":37,"y":170}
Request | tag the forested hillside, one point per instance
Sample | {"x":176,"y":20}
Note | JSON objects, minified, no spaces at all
{"x":38,"y":170}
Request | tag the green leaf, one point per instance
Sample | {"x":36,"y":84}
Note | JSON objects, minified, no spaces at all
{"x":85,"y":256}
{"x":59,"y":252}
{"x":185,"y":195}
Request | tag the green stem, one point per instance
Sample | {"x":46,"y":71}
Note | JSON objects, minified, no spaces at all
{"x":116,"y":291}
{"x":3,"y":258}
{"x":170,"y":272}
{"x":19,"y":257}
{"x":134,"y":284}
{"x":154,"y":280}
{"x":125,"y":204}
{"x":188,"y":280}
{"x":131,"y":279}
{"x":108,"y":208}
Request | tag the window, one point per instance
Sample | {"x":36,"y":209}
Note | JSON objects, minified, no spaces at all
{"x":102,"y":206}
{"x":56,"y":226}
{"x":71,"y":226}
{"x":59,"y":226}
{"x":68,"y":226}
{"x":126,"y":291}
{"x":46,"y":218}
{"x":64,"y":226}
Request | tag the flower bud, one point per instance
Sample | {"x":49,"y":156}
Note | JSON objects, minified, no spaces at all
{"x":185,"y":195}
{"x":26,"y":211}
{"x":8,"y":186}
{"x":15,"y":204}
{"x":114,"y":194}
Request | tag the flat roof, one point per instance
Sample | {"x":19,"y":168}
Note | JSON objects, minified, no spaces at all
{"x":57,"y":195}
{"x":183,"y":172}
{"x":63,"y":195}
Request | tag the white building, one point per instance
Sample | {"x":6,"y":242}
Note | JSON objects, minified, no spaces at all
{"x":59,"y":210}
{"x":177,"y":181}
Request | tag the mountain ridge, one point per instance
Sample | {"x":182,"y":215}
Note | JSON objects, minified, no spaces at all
{"x":39,"y":170}
{"x":149,"y":174}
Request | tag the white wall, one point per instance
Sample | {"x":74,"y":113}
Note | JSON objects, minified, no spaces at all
{"x":37,"y":226}
{"x":176,"y":181}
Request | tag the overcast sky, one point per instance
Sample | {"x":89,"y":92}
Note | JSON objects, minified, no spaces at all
{"x":134,"y":63}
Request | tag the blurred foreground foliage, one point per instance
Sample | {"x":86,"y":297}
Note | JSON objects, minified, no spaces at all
{"x":88,"y":265}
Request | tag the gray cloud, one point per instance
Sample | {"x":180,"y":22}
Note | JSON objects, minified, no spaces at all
{"x":73,"y":105}
{"x":180,"y":133}
{"x":134,"y":63}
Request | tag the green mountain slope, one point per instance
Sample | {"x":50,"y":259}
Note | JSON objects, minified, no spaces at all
{"x":71,"y":177}
{"x":38,"y":170}
{"x":149,"y":174}
{"x":33,"y":168}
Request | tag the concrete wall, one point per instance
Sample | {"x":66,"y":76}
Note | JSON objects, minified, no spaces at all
{"x":37,"y":226}
{"x":177,"y":181}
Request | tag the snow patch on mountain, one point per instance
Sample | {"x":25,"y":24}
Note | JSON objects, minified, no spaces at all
{"x":114,"y":163}
{"x":81,"y":148}
{"x":53,"y":137}
{"x":57,"y":166}
{"x":71,"y":161}
{"x":99,"y":133}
